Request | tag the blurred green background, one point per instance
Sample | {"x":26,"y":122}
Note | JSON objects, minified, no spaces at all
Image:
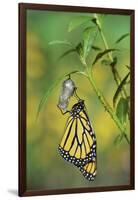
{"x":46,"y":169}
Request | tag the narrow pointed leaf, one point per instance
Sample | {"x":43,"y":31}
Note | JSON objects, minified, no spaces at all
{"x":96,"y":48}
{"x":50,"y":90}
{"x":63,"y":42}
{"x":122,"y":37}
{"x":80,"y":51}
{"x":127,"y":66}
{"x":76,"y":22}
{"x":118,"y":139}
{"x":101,"y":54}
{"x":105,"y":62}
{"x":87,"y":40}
{"x":119,"y":89}
{"x":48,"y":93}
{"x":66,"y":53}
{"x":95,"y":21}
{"x":122,"y":109}
{"x":113,"y":64}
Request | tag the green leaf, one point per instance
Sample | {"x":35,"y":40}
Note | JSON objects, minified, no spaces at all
{"x":87,"y":40}
{"x":66,"y":53}
{"x":96,"y":48}
{"x":122,"y":37}
{"x":121,"y":110}
{"x":94,"y":20}
{"x":47,"y":93}
{"x":101,"y":54}
{"x":127,"y":66}
{"x":79,"y":50}
{"x":118,"y":139}
{"x":113,"y":64}
{"x":50,"y":90}
{"x":76,"y":22}
{"x":119,"y":89}
{"x":105,"y":62}
{"x":64,"y":42}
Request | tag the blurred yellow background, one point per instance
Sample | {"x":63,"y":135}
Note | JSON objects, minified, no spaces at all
{"x":46,"y":169}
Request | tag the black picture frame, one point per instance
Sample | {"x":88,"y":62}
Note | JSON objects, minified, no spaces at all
{"x":23,"y":7}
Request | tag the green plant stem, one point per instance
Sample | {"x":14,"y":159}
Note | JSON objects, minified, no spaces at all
{"x":116,"y":75}
{"x":106,"y":105}
{"x":108,"y":108}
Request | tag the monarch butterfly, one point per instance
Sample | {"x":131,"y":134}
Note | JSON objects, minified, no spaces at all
{"x":78,"y":144}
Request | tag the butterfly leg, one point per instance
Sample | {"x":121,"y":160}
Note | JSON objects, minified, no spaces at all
{"x":63,"y":113}
{"x":75,"y":94}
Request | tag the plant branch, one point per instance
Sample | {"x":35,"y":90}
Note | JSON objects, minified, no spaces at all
{"x":108,"y":108}
{"x":115,"y":73}
{"x":106,"y":105}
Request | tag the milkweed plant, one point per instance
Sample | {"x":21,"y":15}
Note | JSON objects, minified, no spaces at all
{"x":120,"y":109}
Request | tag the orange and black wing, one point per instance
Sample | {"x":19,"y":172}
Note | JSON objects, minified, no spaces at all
{"x":89,"y":170}
{"x":78,"y":144}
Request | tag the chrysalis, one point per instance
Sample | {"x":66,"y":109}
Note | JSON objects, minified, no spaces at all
{"x":67,"y":90}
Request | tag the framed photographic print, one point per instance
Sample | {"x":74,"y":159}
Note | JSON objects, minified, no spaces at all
{"x":76,"y":99}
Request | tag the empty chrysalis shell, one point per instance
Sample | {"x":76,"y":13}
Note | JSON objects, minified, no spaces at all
{"x":67,"y":90}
